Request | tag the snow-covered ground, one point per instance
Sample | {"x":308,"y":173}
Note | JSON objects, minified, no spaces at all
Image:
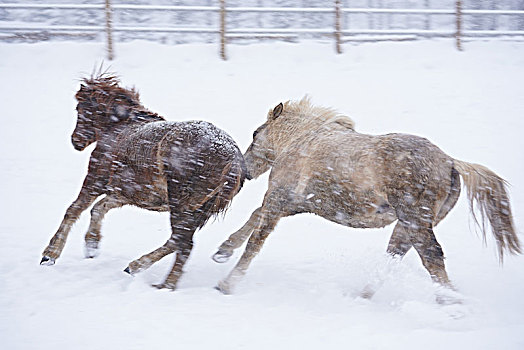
{"x":302,"y":291}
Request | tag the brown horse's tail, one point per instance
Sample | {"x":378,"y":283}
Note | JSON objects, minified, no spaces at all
{"x":218,"y":200}
{"x":490,"y":192}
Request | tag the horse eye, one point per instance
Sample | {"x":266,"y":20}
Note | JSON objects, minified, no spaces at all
{"x":255,"y":133}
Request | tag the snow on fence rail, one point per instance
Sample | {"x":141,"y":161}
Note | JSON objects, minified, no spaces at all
{"x":226,"y":34}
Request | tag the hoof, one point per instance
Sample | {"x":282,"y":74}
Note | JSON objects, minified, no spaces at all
{"x":448,"y":295}
{"x":222,"y":256}
{"x":223,"y":288}
{"x":91,"y":250}
{"x":46,"y":260}
{"x":164,"y":285}
{"x":133,"y":268}
{"x":367,"y":293}
{"x":449,"y":298}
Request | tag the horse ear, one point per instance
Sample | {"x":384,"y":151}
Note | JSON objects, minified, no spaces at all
{"x":277,"y":111}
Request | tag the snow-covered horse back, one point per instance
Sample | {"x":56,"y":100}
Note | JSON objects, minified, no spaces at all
{"x":191,"y":169}
{"x":320,"y":164}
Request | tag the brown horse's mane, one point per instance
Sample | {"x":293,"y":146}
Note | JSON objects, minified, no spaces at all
{"x":103,"y":91}
{"x":107,"y":83}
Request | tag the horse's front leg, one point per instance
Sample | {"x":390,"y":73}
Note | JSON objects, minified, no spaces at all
{"x":93,"y":236}
{"x":237,"y":239}
{"x":57,"y":242}
{"x":273,"y":209}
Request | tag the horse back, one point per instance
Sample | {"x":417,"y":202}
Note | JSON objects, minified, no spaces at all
{"x":191,"y":154}
{"x":359,"y":174}
{"x":416,"y":173}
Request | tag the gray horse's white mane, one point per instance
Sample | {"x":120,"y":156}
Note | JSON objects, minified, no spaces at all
{"x":305,"y":108}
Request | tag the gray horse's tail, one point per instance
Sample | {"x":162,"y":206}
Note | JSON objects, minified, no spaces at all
{"x":490,"y":193}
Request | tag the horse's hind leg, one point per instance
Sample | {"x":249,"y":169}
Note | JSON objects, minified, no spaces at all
{"x":93,"y":236}
{"x":399,"y":243}
{"x":183,"y":245}
{"x":432,"y":257}
{"x":237,"y":239}
{"x":183,"y":226}
{"x":149,"y":259}
{"x":57,"y":242}
{"x":184,"y":223}
{"x":416,"y":220}
{"x":431,"y":254}
{"x":451,"y":199}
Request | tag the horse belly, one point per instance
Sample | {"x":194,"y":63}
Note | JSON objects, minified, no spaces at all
{"x":154,"y":196}
{"x":359,"y":209}
{"x":143,"y":188}
{"x":373,"y":219}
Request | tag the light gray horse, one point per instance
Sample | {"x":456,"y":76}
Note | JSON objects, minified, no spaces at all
{"x":320,"y":164}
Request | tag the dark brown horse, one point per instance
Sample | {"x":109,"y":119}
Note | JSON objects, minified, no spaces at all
{"x":191,"y":169}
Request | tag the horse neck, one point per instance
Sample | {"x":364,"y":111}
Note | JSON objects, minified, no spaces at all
{"x":292,"y":128}
{"x":109,"y":135}
{"x":144,"y":116}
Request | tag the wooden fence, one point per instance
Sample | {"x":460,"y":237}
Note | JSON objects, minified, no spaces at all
{"x":336,"y":30}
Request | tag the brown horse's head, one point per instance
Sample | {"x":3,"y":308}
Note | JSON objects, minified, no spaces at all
{"x":102,"y":103}
{"x":260,"y":154}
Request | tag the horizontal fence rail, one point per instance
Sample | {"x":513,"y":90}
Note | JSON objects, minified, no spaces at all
{"x":259,"y":9}
{"x":336,"y":29}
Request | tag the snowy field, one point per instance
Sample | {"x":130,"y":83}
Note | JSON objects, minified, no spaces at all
{"x":302,"y":291}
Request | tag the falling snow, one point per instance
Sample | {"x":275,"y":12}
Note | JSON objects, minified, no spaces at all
{"x":302,"y":291}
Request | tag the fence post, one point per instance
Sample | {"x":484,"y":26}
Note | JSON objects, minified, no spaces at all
{"x":337,"y":26}
{"x":428,"y":16}
{"x":109,"y":30}
{"x":458,"y":34}
{"x":223,"y":29}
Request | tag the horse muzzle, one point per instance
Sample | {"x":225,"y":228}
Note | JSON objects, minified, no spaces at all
{"x":78,"y":145}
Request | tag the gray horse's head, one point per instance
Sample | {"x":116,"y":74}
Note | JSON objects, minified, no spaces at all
{"x":260,"y":154}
